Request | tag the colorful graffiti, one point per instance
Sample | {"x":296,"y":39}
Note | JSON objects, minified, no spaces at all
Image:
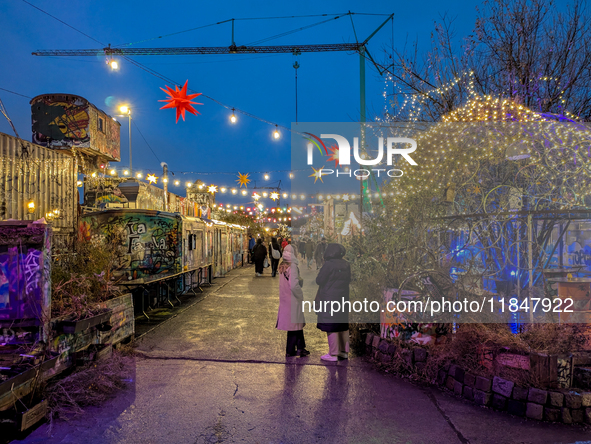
{"x":60,"y":123}
{"x":67,"y":121}
{"x":148,"y":243}
{"x":25,"y":281}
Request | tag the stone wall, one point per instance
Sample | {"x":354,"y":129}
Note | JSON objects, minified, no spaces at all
{"x":554,"y":404}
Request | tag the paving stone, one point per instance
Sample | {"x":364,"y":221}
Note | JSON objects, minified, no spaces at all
{"x":482,"y":384}
{"x":551,"y":414}
{"x":369,"y":338}
{"x":588,"y":415}
{"x":385,"y":358}
{"x":520,"y":393}
{"x":391,"y":349}
{"x":481,"y":398}
{"x":420,"y":366}
{"x":586,"y":399}
{"x":469,"y":379}
{"x":457,"y":373}
{"x":515,"y":407}
{"x":376,"y":341}
{"x":578,"y":415}
{"x":573,"y":400}
{"x":420,"y":354}
{"x":556,"y":399}
{"x":538,"y":396}
{"x":406,"y":356}
{"x":458,"y":387}
{"x":469,"y":393}
{"x":383,"y":347}
{"x":534,"y":411}
{"x":502,"y":386}
{"x":450,"y":383}
{"x":566,"y":417}
{"x":499,"y":402}
{"x":441,"y":377}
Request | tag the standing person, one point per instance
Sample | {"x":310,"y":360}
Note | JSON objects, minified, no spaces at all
{"x":333,"y":280}
{"x":251,"y":244}
{"x":259,"y":254}
{"x":302,"y":248}
{"x":290,"y":315}
{"x":319,"y":254}
{"x":285,"y":243}
{"x":310,"y":251}
{"x":274,"y":255}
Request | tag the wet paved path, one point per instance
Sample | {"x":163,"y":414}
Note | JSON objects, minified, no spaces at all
{"x":217,"y":373}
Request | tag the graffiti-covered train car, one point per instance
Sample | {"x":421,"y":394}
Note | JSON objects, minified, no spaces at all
{"x":153,"y":244}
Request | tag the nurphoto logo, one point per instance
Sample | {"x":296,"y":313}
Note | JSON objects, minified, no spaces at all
{"x":342,"y":155}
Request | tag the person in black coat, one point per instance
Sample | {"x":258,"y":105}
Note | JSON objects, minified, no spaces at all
{"x":333,"y":280}
{"x":274,"y":246}
{"x":259,"y":254}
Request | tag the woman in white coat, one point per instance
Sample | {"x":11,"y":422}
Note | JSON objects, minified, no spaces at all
{"x":290,"y":316}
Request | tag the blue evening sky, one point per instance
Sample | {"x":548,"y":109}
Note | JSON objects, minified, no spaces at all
{"x":263,"y":85}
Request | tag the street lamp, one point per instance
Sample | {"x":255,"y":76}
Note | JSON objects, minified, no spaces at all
{"x":126,"y":110}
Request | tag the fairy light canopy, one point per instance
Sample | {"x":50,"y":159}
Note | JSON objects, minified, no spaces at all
{"x":490,"y":150}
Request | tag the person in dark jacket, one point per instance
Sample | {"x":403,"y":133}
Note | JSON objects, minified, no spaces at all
{"x":251,"y":244}
{"x":310,"y":252}
{"x":302,"y":248}
{"x":333,"y":280}
{"x":274,"y":247}
{"x":319,"y":254}
{"x":259,"y":253}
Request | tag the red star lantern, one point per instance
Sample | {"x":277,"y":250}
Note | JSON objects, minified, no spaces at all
{"x":334,"y":154}
{"x":180,"y":100}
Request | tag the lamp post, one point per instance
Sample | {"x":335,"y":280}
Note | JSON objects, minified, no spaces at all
{"x":126,"y":110}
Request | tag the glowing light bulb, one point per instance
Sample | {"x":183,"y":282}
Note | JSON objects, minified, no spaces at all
{"x":276,"y":133}
{"x":233,"y":118}
{"x":114,"y":64}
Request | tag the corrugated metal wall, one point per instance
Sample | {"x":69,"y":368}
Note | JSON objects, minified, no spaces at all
{"x":30,"y":172}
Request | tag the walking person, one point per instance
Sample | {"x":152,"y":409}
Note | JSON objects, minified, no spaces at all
{"x":302,"y":248}
{"x":310,"y":252}
{"x":274,"y":255}
{"x":319,"y":254}
{"x":333,"y":280}
{"x":290,"y":315}
{"x":259,"y":254}
{"x":251,"y":244}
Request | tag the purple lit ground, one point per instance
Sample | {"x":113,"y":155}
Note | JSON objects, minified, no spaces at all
{"x":217,"y":373}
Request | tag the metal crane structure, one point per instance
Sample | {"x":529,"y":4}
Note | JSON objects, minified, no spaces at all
{"x":359,"y":47}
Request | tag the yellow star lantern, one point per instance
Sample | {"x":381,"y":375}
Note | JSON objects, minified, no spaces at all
{"x":152,"y":178}
{"x":243,"y":180}
{"x":274,"y":196}
{"x":317,"y":174}
{"x":256,"y":196}
{"x":212,"y":189}
{"x":346,"y":197}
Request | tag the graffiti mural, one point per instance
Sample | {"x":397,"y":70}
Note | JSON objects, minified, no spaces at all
{"x":148,"y":242}
{"x":60,"y":123}
{"x":70,"y":121}
{"x":25,"y":285}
